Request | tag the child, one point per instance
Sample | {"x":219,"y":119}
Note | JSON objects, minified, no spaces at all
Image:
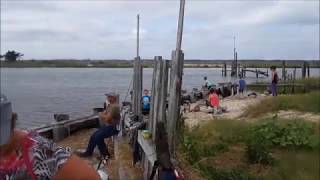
{"x":146,"y":102}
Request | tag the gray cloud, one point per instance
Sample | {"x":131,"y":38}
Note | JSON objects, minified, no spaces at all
{"x":106,"y":29}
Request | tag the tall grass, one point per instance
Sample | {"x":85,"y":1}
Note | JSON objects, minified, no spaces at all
{"x":309,"y":102}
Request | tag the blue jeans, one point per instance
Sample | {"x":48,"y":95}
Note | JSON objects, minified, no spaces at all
{"x":274,"y":89}
{"x":98,"y":137}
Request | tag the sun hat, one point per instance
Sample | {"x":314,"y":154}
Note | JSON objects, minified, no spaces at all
{"x":5,"y":119}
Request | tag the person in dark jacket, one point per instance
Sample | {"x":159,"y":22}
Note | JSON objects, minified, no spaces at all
{"x":274,"y":81}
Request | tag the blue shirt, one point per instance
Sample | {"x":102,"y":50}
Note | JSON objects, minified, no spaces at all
{"x":242,"y":84}
{"x":146,"y":102}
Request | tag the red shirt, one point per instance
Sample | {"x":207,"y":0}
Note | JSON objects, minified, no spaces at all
{"x":214,"y":100}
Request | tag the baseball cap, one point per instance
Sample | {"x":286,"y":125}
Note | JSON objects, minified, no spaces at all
{"x":112,"y":94}
{"x":5,"y":119}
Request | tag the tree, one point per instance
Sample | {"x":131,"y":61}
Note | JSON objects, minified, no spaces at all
{"x":11,"y":56}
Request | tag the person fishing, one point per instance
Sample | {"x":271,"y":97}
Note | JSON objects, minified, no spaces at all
{"x":274,"y":80}
{"x":27,"y":155}
{"x":146,"y":102}
{"x":110,"y":118}
{"x":207,"y":83}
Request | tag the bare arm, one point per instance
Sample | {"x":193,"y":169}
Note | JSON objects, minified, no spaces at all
{"x":106,"y":117}
{"x":76,"y":168}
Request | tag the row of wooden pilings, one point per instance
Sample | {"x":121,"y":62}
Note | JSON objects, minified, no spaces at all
{"x":305,"y":71}
{"x":163,"y":87}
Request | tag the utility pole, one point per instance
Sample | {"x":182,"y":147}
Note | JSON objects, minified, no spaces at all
{"x":138,"y":31}
{"x":234,"y":48}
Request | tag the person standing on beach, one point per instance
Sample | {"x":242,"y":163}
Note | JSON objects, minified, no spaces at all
{"x":242,"y":86}
{"x":274,"y":80}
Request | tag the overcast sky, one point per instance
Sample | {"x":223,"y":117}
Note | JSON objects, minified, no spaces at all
{"x":106,"y":29}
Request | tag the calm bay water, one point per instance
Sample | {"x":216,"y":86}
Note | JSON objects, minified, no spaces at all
{"x":38,"y":93}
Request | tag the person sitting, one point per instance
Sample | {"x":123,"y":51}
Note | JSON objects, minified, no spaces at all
{"x":110,"y":117}
{"x":214,"y":101}
{"x":207,"y":83}
{"x":146,"y":102}
{"x":27,"y":155}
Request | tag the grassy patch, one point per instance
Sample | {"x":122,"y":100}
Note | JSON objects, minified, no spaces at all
{"x":219,"y":149}
{"x":312,"y":83}
{"x":309,"y":102}
{"x":295,"y":165}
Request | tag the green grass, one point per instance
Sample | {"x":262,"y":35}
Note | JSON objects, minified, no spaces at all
{"x":309,"y":102}
{"x":296,"y":165}
{"x":217,"y":138}
{"x":312,"y":83}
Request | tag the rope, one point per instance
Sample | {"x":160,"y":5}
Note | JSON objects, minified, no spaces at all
{"x":128,"y":90}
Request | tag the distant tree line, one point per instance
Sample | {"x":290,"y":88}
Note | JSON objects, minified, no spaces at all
{"x":11,"y":56}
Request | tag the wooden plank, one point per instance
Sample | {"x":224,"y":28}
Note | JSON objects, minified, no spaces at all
{"x":148,"y":148}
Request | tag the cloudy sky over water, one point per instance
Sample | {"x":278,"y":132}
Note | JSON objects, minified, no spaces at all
{"x":106,"y":29}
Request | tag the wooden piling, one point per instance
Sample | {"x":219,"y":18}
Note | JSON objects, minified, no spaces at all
{"x":284,"y":73}
{"x":174,"y":97}
{"x":308,"y":69}
{"x":303,"y":70}
{"x":224,"y":71}
{"x":137,"y":87}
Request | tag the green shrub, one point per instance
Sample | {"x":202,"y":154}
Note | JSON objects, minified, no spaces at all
{"x":210,"y":172}
{"x":258,"y":153}
{"x":290,"y":135}
{"x":197,"y":150}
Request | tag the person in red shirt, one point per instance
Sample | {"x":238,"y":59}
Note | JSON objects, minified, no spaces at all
{"x":214,"y":100}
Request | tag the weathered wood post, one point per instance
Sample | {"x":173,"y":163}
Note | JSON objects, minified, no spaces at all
{"x":158,"y":104}
{"x":303,"y":70}
{"x":224,"y":69}
{"x":175,"y":84}
{"x":284,"y":74}
{"x":137,"y":79}
{"x":158,"y":95}
{"x":294,"y":73}
{"x":137,"y":87}
{"x":308,"y":69}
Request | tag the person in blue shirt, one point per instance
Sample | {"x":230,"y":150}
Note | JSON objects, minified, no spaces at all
{"x":146,"y":99}
{"x":242,"y":86}
{"x":207,"y":83}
